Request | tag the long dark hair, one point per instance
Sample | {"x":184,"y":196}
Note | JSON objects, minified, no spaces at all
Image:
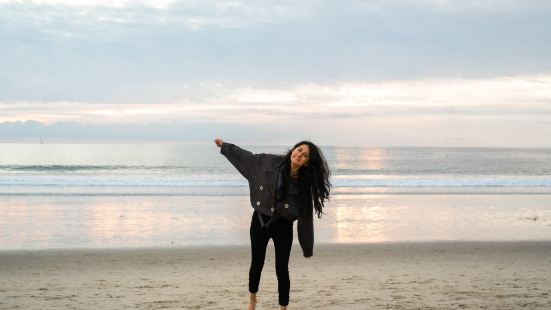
{"x":313,"y":177}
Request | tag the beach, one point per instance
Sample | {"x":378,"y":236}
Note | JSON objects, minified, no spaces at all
{"x":106,"y":226}
{"x":396,"y":275}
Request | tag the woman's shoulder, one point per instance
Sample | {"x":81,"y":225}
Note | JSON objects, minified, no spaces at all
{"x":276,"y":159}
{"x":271,"y":161}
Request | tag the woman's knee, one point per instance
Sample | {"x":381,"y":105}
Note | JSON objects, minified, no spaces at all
{"x":257,"y":264}
{"x":282,"y":271}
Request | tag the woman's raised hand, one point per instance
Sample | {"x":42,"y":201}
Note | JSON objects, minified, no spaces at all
{"x":218,"y":142}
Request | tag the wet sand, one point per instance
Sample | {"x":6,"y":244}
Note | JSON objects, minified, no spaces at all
{"x":427,"y":275}
{"x":44,"y":222}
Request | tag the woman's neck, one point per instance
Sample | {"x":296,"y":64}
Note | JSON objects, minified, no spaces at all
{"x":294,"y":171}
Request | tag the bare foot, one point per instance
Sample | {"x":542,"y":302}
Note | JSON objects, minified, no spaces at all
{"x":252,"y":301}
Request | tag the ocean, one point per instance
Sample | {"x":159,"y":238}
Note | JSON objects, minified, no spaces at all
{"x":166,"y":194}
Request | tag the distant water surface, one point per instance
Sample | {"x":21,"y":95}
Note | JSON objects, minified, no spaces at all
{"x":179,"y":169}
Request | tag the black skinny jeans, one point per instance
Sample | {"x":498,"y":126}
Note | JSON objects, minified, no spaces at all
{"x":281,"y":232}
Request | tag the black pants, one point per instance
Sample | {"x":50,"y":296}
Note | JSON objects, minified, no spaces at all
{"x":281,"y":232}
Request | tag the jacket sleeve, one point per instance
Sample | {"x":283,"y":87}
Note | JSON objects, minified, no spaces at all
{"x":244,"y":161}
{"x":305,"y":227}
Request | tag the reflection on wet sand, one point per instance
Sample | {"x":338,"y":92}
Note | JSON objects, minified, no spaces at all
{"x":140,"y":222}
{"x":359,"y":223}
{"x":115,"y":221}
{"x":23,"y":220}
{"x":58,"y":222}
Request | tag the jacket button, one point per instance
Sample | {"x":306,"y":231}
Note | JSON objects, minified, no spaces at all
{"x":258,"y":203}
{"x":261,"y":188}
{"x":286,"y":206}
{"x":272,"y":209}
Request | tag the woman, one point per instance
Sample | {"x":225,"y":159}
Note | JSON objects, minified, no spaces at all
{"x":282,"y":189}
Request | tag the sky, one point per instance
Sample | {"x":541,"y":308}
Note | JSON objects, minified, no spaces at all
{"x":354,"y":73}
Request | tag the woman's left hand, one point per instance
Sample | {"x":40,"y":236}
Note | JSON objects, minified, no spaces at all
{"x":219,"y":142}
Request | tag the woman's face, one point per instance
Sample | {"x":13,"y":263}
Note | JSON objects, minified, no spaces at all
{"x":300,"y":155}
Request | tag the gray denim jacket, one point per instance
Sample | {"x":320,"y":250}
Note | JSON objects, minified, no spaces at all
{"x":260,"y":170}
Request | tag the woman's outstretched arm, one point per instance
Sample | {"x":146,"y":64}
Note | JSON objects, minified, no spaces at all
{"x":244,"y":161}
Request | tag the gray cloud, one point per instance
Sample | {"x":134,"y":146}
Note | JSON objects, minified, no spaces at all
{"x":140,"y":53}
{"x":473,"y":132}
{"x":507,"y":97}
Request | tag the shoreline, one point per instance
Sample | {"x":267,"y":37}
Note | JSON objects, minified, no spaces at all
{"x":195,"y":247}
{"x":390,"y":275}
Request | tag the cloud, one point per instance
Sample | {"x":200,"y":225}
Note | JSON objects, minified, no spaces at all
{"x":63,"y":17}
{"x":512,"y":96}
{"x":377,"y":132}
{"x":133,"y":51}
{"x":391,"y":70}
{"x":511,"y":111}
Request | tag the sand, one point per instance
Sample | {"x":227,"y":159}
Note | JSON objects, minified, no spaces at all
{"x":433,"y":275}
